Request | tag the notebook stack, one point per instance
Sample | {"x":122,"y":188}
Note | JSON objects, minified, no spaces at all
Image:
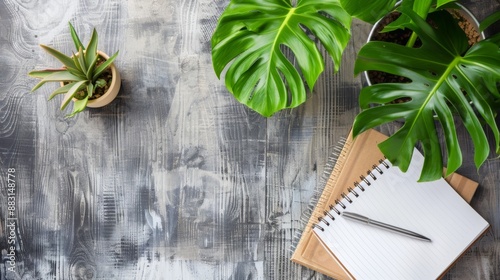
{"x":362,"y":182}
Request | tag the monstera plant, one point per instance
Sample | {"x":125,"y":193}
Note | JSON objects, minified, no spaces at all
{"x":270,"y":53}
{"x":252,"y":36}
{"x":448,"y":80}
{"x":253,"y":40}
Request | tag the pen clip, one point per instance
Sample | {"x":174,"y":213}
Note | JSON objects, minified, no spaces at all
{"x":356,"y":216}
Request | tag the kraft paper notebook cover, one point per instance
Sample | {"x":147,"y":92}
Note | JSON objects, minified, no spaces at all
{"x":309,"y":251}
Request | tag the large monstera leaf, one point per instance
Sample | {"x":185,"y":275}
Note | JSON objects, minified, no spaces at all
{"x":447,"y":80}
{"x":251,"y":37}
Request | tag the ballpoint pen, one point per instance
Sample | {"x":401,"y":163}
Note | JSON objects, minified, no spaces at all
{"x":368,"y":221}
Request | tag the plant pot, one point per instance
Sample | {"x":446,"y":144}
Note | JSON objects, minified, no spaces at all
{"x":113,"y":90}
{"x":462,"y":12}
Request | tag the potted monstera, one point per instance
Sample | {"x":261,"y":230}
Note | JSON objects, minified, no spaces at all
{"x":447,"y":80}
{"x":88,"y":77}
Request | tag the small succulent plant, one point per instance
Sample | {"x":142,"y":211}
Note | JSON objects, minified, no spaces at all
{"x":81,"y":73}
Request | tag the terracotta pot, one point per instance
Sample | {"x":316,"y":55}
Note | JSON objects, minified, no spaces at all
{"x":464,"y":12}
{"x":113,"y":90}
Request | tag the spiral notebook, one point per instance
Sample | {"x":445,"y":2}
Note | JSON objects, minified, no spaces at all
{"x":352,"y":159}
{"x":386,"y":194}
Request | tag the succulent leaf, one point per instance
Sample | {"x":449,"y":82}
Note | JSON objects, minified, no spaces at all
{"x":98,"y":71}
{"x":64,"y":76}
{"x":91,"y":52}
{"x":71,"y":93}
{"x":66,"y":60}
{"x":61,"y":90}
{"x":100,"y":83}
{"x":78,"y":106}
{"x":40,"y":74}
{"x":92,"y":66}
{"x":81,"y":60}
{"x":75,"y":37}
{"x":90,"y":89}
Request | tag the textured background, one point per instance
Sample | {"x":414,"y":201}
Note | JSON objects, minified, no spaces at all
{"x":174,"y":179}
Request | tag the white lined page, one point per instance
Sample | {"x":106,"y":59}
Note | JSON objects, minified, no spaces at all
{"x":432,"y":209}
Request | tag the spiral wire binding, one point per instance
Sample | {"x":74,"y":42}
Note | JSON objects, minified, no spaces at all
{"x":332,"y":207}
{"x":319,"y":197}
{"x":326,"y":213}
{"x":351,"y":190}
{"x":372,"y":174}
{"x":338,"y":202}
{"x":358,"y":185}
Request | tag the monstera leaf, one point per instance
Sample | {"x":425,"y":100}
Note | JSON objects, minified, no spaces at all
{"x":369,"y":10}
{"x":487,"y":22}
{"x":447,"y":79}
{"x":422,"y":8}
{"x":251,"y":37}
{"x":372,"y":11}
